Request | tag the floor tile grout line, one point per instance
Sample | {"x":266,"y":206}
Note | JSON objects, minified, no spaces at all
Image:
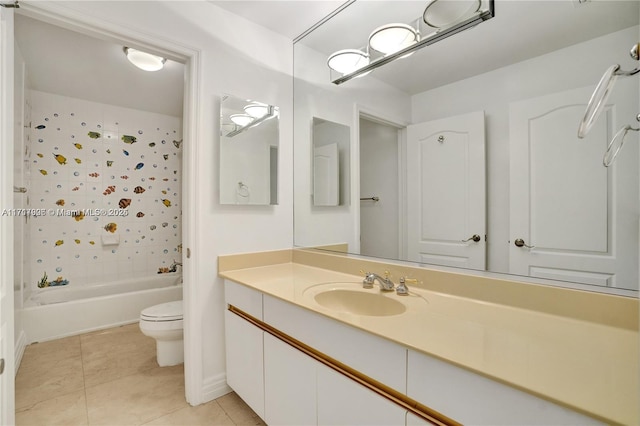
{"x":226,"y":412}
{"x":84,"y":383}
{"x":85,"y":356}
{"x":117,"y":378}
{"x":165,"y":414}
{"x":34,"y":404}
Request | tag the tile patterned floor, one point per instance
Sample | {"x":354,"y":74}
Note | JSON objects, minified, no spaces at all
{"x":110,"y":377}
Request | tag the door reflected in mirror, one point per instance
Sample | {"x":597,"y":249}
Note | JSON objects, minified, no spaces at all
{"x":331,"y":156}
{"x":248,"y":152}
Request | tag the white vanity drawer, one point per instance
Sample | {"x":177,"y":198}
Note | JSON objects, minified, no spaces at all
{"x":243,"y":298}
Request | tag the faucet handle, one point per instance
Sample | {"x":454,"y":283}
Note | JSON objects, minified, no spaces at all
{"x":402,"y":289}
{"x":367,"y":282}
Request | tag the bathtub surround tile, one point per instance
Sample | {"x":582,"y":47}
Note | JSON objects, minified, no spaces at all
{"x":75,"y":155}
{"x":69,"y":409}
{"x":145,"y":394}
{"x":137,"y":398}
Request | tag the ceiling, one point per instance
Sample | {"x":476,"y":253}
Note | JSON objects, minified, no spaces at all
{"x":289,"y":18}
{"x":71,"y":64}
{"x":60,"y":60}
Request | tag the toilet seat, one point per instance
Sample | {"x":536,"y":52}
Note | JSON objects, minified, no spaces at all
{"x":165,"y":312}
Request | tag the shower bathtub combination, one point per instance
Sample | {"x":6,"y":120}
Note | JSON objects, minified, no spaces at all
{"x":54,"y":312}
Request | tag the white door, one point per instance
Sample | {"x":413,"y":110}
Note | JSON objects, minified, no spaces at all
{"x":446,"y":191}
{"x":580,"y":217}
{"x":7,"y":392}
{"x":326,"y":179}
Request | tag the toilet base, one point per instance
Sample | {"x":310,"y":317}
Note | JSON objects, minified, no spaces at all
{"x":169,"y":352}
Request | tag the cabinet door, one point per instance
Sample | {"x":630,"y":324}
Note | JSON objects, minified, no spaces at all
{"x":473,"y":399}
{"x":244,"y":361}
{"x":413,"y":420}
{"x":289,"y":384}
{"x":341,"y":401}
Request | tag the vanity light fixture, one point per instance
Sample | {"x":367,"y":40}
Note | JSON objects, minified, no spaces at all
{"x":443,"y":13}
{"x":143,"y":60}
{"x":256,"y":109}
{"x":348,"y":60}
{"x":241,"y":119}
{"x":245,"y":121}
{"x":344,"y":61}
{"x":393,"y":37}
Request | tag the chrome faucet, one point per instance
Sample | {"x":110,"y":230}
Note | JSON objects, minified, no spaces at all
{"x":174,"y":266}
{"x":385,"y":282}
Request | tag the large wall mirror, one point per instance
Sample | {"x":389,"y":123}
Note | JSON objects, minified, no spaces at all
{"x":465,"y":153}
{"x":248,"y":151}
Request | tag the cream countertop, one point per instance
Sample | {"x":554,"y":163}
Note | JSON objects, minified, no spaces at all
{"x":587,"y":366}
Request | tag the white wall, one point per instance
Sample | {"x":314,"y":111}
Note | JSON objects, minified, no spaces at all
{"x":316,"y":96}
{"x":236,"y":57}
{"x":572,"y":67}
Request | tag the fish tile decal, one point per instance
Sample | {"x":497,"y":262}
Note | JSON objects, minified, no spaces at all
{"x":106,"y":188}
{"x":129,"y":139}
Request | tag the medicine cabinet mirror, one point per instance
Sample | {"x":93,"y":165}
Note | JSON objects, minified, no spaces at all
{"x":521,"y":81}
{"x":331,"y":156}
{"x":248,"y":151}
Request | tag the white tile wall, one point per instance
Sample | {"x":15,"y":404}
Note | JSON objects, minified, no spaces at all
{"x":70,"y":248}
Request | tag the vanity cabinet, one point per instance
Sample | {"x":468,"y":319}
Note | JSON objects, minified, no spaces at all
{"x":286,"y":385}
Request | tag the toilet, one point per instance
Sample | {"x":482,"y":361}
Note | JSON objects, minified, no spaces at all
{"x":164,"y":323}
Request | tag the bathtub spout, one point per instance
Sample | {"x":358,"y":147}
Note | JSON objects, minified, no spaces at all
{"x":174,"y":266}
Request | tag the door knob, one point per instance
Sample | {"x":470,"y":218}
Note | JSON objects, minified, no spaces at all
{"x":474,"y":237}
{"x":520,"y":243}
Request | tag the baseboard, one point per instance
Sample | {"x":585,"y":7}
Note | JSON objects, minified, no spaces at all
{"x":20,"y":346}
{"x":215,"y":387}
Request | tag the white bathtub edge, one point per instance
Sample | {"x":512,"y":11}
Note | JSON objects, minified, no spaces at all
{"x":49,"y":322}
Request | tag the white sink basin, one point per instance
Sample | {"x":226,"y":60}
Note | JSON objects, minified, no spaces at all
{"x":359,"y":302}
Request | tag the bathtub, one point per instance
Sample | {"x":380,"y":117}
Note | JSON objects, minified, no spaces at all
{"x":55,"y":312}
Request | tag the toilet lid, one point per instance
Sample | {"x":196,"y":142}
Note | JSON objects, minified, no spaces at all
{"x":170,"y":311}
